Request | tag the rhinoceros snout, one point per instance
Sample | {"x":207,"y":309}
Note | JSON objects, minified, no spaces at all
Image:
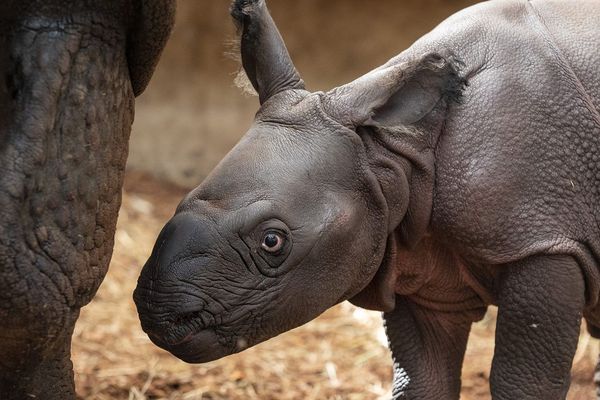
{"x":184,"y":236}
{"x":162,"y":293}
{"x":178,"y":325}
{"x":171,"y":321}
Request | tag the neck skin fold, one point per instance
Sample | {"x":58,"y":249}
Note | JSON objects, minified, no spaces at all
{"x":403,"y":162}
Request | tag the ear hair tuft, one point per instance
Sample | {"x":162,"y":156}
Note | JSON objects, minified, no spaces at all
{"x":451,"y":65}
{"x":240,"y":80}
{"x":455,"y":83}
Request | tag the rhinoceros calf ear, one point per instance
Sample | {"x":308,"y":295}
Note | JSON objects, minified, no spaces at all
{"x":265,"y":58}
{"x":397,"y":95}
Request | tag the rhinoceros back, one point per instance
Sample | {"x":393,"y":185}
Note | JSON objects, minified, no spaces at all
{"x":573,"y":31}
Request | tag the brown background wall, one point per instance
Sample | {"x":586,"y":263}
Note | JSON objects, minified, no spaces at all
{"x":192,"y":113}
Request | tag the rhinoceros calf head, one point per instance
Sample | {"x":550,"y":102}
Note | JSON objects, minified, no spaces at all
{"x":296,"y":218}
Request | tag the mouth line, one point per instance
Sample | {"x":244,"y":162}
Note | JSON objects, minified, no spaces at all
{"x":195,"y":328}
{"x":196,"y":347}
{"x":182,"y":340}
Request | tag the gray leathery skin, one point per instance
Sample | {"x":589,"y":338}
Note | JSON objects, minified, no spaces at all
{"x":67,"y":100}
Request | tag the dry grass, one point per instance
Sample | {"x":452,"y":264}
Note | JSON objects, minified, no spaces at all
{"x":338,"y":356}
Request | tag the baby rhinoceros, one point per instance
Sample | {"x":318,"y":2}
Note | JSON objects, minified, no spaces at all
{"x":462,"y":173}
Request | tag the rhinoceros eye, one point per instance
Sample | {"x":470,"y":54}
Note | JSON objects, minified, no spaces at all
{"x":272,"y":242}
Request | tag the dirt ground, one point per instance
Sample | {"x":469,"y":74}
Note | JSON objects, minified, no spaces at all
{"x":340,"y":355}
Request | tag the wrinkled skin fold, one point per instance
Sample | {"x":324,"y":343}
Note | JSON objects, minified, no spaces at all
{"x":464,"y":172}
{"x":69,"y":73}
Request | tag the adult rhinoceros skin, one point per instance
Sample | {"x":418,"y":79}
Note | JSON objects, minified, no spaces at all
{"x":69,"y":71}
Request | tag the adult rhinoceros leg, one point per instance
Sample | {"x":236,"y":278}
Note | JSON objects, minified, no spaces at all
{"x":428,"y":349}
{"x":39,"y":368}
{"x":67,"y":80}
{"x":540,"y":301}
{"x":67,"y":112}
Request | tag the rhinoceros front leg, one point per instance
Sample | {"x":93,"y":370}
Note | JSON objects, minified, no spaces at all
{"x":428,"y":349}
{"x":540,"y":302}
